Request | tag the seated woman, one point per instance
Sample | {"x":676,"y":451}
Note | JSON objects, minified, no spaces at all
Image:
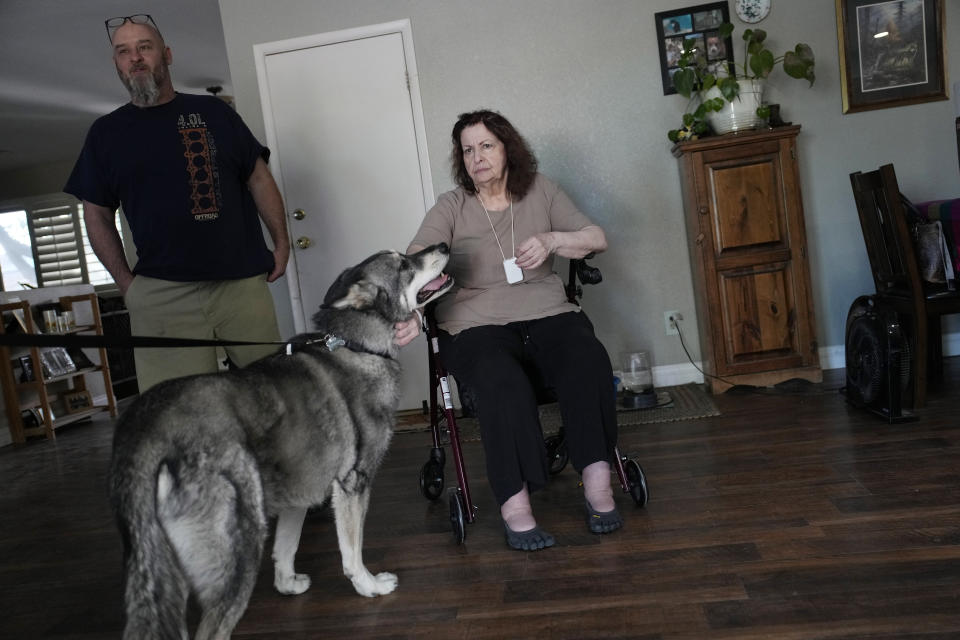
{"x":508,"y":310}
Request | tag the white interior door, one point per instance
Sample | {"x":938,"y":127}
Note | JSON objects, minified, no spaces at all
{"x":343,"y":119}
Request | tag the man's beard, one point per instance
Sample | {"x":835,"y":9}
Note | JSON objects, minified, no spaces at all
{"x":145,"y":88}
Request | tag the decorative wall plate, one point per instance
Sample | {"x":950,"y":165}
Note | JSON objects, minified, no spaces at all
{"x":752,"y":10}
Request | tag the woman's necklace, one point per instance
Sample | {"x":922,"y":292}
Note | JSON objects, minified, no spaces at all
{"x":510,"y":268}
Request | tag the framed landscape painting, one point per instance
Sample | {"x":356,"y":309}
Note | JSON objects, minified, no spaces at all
{"x":891,"y":53}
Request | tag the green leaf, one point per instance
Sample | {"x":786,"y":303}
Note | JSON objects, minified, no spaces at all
{"x":674,"y":135}
{"x":725,"y":29}
{"x":804,"y":52}
{"x":707,"y":82}
{"x":761,"y":64}
{"x":756,"y":35}
{"x":729,"y":88}
{"x":688,"y":119}
{"x":685,"y":81}
{"x":763,"y":111}
{"x":799,"y":63}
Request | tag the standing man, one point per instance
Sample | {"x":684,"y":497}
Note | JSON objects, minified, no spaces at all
{"x":191,"y":179}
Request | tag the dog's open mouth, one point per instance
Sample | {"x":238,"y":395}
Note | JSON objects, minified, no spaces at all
{"x":432,"y":287}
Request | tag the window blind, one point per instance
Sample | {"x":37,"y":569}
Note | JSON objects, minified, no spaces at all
{"x":58,"y":250}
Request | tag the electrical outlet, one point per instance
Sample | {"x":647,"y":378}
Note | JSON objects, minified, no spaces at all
{"x":668,"y":322}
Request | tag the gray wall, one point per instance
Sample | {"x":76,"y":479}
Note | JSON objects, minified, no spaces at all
{"x":581,"y":80}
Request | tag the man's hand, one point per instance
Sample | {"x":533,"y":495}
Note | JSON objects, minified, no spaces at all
{"x":280,"y":257}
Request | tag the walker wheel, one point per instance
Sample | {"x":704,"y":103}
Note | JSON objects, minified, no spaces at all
{"x":557,"y":454}
{"x":637,"y":481}
{"x":431,"y":480}
{"x":456,"y":516}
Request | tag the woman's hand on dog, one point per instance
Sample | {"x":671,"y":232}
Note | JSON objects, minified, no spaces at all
{"x":407,"y":331}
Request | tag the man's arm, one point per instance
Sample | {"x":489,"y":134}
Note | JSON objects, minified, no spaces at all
{"x":269,"y":203}
{"x":106,"y":243}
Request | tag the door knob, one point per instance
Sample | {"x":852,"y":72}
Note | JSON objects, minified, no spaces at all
{"x":298,"y":214}
{"x":304,"y":242}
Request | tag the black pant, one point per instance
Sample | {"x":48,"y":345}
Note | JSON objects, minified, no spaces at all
{"x":497,"y":362}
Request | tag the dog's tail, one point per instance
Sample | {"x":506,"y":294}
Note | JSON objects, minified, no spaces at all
{"x":205,"y":535}
{"x":155,"y":587}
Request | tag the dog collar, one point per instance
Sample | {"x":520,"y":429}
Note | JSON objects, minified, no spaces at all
{"x":333,"y":342}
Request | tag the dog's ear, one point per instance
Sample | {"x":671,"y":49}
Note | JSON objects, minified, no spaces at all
{"x":360,"y":295}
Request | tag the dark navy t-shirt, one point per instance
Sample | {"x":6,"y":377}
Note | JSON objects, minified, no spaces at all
{"x":179,"y":170}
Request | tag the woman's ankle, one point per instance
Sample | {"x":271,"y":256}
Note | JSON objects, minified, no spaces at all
{"x":517,"y":513}
{"x":596,"y":486}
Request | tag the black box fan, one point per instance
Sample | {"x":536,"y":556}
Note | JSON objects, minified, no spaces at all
{"x":878,"y":360}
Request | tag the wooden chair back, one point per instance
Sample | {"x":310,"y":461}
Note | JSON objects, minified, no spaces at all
{"x":883,"y":219}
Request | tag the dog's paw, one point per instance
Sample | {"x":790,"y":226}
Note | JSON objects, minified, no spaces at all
{"x":292,"y":585}
{"x":375,"y":585}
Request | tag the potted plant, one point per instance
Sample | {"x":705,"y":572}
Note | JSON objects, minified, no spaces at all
{"x":714,"y":92}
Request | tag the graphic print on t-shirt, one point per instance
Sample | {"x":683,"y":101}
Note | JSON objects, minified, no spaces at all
{"x":200,"y":152}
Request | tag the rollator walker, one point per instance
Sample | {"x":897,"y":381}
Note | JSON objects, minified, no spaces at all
{"x":442,"y":418}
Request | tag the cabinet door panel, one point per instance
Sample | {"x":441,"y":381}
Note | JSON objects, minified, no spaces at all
{"x":747,"y":204}
{"x":758,"y":313}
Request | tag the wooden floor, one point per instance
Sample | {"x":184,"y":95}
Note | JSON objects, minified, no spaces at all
{"x":790,"y":516}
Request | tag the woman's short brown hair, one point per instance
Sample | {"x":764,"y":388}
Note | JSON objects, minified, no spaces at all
{"x":521,"y":163}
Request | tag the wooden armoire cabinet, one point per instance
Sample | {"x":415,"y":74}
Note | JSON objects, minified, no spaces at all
{"x":748,"y":254}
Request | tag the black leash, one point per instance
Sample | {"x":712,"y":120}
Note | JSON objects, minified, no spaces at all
{"x":88,"y":341}
{"x":115,"y":342}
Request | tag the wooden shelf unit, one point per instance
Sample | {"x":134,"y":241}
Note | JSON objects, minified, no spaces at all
{"x":42,"y":392}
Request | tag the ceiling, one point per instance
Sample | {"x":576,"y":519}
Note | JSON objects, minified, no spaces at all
{"x":57,"y":75}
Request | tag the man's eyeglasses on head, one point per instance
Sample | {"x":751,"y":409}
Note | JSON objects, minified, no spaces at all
{"x":115,"y":23}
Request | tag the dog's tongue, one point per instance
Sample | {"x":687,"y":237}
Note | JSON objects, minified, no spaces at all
{"x":436,"y":283}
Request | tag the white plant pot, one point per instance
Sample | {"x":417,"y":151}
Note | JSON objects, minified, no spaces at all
{"x":741,"y":114}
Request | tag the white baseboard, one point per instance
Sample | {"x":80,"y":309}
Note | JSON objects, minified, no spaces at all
{"x":834,"y":357}
{"x":669,"y":375}
{"x":831,"y":357}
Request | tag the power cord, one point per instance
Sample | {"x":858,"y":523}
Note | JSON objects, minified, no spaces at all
{"x":786,"y":388}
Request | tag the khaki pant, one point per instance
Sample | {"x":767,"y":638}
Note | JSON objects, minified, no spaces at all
{"x":224,"y":309}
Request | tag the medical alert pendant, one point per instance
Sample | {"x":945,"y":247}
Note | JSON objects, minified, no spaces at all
{"x":512,"y":271}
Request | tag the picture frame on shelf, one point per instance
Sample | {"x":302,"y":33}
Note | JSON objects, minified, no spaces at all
{"x":700,"y":23}
{"x":26,"y":369}
{"x":21,"y":321}
{"x":891,"y":53}
{"x":56,"y":362}
{"x":77,"y":401}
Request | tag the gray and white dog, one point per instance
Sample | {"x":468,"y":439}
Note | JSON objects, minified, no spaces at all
{"x":201,"y":463}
